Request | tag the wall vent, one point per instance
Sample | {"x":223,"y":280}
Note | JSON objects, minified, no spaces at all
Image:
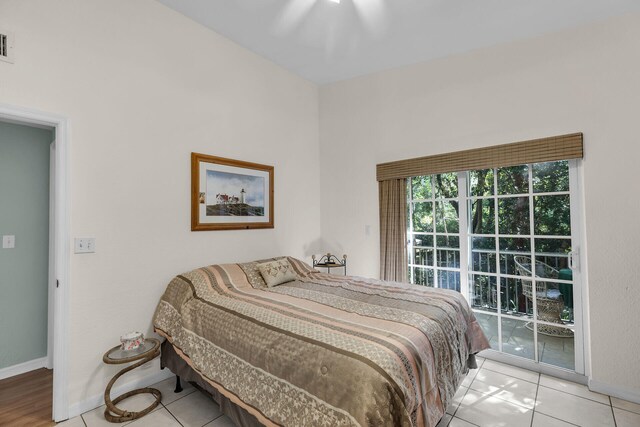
{"x":6,"y":46}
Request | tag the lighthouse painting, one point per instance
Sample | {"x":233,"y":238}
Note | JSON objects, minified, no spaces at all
{"x":230,"y":194}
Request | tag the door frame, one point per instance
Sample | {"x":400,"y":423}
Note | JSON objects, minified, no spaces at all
{"x":60,"y":246}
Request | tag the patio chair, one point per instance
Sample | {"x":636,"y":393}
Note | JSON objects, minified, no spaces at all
{"x":549,"y":300}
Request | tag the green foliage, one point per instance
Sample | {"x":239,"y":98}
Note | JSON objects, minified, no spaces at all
{"x":439,"y":215}
{"x":553,"y":246}
{"x":513,"y":180}
{"x":552,"y":215}
{"x":481,"y":182}
{"x":446,"y":185}
{"x":421,"y":187}
{"x":483,"y":217}
{"x":513,"y":215}
{"x":423,"y":216}
{"x":515,"y":244}
{"x":550,"y":177}
{"x":425,"y":240}
{"x":452,"y":242}
{"x":423,"y":276}
{"x":446,"y":217}
{"x":423,"y":256}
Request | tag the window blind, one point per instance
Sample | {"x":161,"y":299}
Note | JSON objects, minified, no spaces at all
{"x":563,"y":147}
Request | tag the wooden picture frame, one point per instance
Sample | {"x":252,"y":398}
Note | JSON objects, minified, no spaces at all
{"x":229,"y":194}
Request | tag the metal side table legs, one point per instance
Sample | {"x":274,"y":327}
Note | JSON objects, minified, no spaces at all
{"x":149,"y":351}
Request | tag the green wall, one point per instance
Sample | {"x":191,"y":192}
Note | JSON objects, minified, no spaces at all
{"x":24,"y":212}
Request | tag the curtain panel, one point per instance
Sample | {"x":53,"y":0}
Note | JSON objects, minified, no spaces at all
{"x":393,"y":229}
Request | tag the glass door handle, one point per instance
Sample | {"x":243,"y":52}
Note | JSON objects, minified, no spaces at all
{"x":573,"y":260}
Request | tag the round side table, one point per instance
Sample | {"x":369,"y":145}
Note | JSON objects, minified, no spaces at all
{"x":116,"y":356}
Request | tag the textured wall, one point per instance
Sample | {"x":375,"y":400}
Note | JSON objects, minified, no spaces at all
{"x":586,"y":79}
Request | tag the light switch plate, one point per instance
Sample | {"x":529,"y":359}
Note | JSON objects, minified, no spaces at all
{"x":8,"y":242}
{"x":85,"y":245}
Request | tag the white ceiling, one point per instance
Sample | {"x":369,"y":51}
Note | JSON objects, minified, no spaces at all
{"x":324,"y":42}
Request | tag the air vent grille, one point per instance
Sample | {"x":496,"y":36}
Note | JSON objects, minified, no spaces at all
{"x":4,"y":49}
{"x":6,"y":46}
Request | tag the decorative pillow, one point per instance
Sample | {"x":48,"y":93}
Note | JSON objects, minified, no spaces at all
{"x":277,"y":272}
{"x":253,"y":274}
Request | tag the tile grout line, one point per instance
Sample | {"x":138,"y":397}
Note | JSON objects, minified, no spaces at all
{"x":577,"y":395}
{"x":465,"y":393}
{"x":458,"y":407}
{"x":181,"y":397}
{"x":547,"y":415}
{"x":468,"y":422}
{"x":517,"y":378}
{"x":167,"y":405}
{"x":613,"y":413}
{"x":491,"y":393}
{"x":633,"y":411}
{"x":559,"y":419}
{"x":171,"y":413}
{"x":626,"y":410}
{"x":538,"y":385}
{"x":535,"y":401}
{"x":222,"y":415}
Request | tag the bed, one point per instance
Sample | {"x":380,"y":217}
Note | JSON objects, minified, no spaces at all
{"x":319,"y":350}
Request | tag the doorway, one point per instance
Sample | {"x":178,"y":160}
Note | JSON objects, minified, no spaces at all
{"x":57,"y":259}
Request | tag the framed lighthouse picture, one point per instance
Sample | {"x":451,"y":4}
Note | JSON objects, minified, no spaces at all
{"x":230,"y":194}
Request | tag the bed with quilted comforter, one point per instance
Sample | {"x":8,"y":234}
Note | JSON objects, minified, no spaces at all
{"x":321,"y":350}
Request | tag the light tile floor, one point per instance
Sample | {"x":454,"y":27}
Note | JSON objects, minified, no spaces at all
{"x":499,"y":395}
{"x":495,"y":395}
{"x":189,"y":408}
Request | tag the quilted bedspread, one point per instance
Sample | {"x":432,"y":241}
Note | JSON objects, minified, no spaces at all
{"x":322,"y":350}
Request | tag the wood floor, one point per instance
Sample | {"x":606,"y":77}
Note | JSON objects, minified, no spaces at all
{"x":25,"y":400}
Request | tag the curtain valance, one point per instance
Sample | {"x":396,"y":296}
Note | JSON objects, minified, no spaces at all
{"x":550,"y":149}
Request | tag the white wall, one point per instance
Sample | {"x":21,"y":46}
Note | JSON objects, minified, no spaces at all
{"x":143,"y":87}
{"x":587,"y":79}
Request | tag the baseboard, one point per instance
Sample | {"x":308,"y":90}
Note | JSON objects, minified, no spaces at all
{"x":22,"y":368}
{"x":632,"y":395}
{"x":93,"y":402}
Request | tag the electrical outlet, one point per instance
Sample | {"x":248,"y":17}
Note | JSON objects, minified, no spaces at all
{"x":8,"y":242}
{"x":85,"y":245}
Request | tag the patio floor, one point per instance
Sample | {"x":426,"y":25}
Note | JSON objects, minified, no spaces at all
{"x":518,"y":340}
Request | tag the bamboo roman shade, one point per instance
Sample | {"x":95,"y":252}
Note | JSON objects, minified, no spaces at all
{"x":550,"y":149}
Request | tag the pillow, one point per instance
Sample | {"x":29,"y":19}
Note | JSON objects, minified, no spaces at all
{"x":253,"y":274}
{"x":277,"y":272}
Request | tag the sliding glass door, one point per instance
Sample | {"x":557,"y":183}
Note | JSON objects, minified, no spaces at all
{"x":506,"y":238}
